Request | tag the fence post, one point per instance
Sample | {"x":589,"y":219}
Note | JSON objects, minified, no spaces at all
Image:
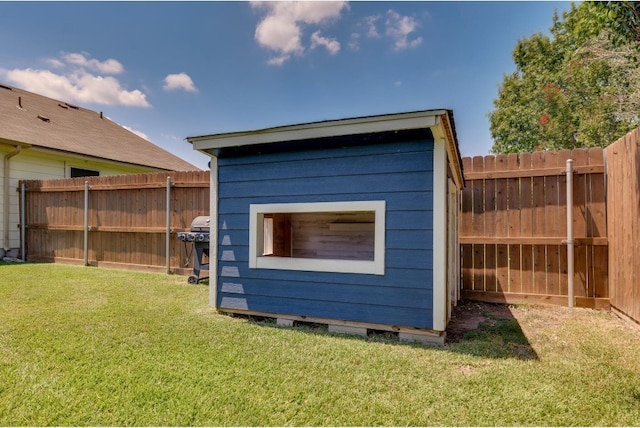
{"x":167,"y":242}
{"x":23,"y":221}
{"x":86,"y":223}
{"x":570,"y":263}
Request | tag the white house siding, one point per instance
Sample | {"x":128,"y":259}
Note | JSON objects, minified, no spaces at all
{"x":34,"y":164}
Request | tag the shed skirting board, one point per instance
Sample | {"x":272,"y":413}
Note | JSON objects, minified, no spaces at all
{"x":406,"y":334}
{"x":439,"y":235}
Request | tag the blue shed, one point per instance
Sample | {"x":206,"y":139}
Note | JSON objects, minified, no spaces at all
{"x":349,"y":222}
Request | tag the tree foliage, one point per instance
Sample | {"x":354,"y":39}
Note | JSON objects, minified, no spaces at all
{"x":578,"y":88}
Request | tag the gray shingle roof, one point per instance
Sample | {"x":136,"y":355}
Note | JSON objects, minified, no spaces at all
{"x":36,"y":120}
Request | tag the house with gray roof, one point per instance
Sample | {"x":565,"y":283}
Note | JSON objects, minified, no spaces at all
{"x":42,"y":138}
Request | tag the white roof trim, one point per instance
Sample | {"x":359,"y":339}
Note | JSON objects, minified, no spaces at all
{"x":331,"y":128}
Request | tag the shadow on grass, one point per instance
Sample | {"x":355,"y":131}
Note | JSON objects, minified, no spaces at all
{"x":487,"y":330}
{"x":480,"y":329}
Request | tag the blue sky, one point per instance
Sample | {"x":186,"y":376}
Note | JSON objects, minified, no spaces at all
{"x":170,"y":70}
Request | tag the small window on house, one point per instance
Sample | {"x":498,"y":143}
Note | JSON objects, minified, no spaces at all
{"x":80,"y":172}
{"x":330,"y":237}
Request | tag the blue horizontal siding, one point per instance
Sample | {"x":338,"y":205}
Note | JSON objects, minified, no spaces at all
{"x":398,"y":173}
{"x":401,"y":182}
{"x":409,"y":317}
{"x":238,"y":272}
{"x":365,"y":294}
{"x":396,"y":201}
{"x":315,"y":168}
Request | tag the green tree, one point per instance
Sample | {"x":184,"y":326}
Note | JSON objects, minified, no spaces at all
{"x":578,"y":88}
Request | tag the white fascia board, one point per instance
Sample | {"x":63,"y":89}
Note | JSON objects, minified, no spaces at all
{"x":66,"y":156}
{"x":213,"y":232}
{"x":439,"y":247}
{"x":440,"y":133}
{"x":333,"y":128}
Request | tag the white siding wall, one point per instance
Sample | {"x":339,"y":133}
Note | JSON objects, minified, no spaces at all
{"x":30,"y":164}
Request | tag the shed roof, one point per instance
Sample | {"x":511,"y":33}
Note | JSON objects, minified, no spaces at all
{"x":29,"y":119}
{"x":439,"y":121}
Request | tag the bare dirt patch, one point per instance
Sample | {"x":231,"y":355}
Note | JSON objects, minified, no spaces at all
{"x":468,"y":316}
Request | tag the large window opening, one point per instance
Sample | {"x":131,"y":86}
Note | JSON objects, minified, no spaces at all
{"x":335,"y":237}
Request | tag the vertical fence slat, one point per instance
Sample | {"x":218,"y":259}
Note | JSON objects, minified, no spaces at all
{"x":581,"y":275}
{"x":540,"y":226}
{"x":490,"y":225}
{"x":513,"y":227}
{"x":552,"y":202}
{"x":466,"y":218}
{"x":563,"y":156}
{"x":502,"y":226}
{"x":526,"y":224}
{"x":478,"y":226}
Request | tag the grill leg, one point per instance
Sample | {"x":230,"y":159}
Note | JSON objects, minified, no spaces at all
{"x":197,"y":263}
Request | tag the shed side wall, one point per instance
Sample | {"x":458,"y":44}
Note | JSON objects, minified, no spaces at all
{"x":399,"y":173}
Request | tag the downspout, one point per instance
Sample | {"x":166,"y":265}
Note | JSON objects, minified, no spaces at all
{"x":5,"y":197}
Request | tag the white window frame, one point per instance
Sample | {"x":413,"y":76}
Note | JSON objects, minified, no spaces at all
{"x":256,"y":238}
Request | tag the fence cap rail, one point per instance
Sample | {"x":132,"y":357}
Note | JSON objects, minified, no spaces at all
{"x":538,"y":172}
{"x":80,"y":188}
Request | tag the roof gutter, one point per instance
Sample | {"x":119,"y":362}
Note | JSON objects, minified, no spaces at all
{"x":5,"y":195}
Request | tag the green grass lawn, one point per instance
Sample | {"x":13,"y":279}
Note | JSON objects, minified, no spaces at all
{"x":87,"y":346}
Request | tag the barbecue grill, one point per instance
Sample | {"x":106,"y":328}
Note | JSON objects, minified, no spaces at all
{"x":199,"y":236}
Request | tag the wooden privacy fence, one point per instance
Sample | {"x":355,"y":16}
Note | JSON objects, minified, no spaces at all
{"x":126,"y":219}
{"x":513,"y":228}
{"x":623,"y":217}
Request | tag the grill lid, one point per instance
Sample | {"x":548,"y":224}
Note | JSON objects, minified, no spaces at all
{"x":200,"y":224}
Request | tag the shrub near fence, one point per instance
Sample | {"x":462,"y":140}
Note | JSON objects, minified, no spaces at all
{"x":513,"y":228}
{"x":126,"y":218}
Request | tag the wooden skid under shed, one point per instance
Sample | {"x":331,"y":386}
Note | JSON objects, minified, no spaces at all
{"x":406,"y":334}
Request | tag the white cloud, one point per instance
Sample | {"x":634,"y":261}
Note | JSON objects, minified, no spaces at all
{"x":179,"y":81}
{"x":280,"y":34}
{"x":55,"y":63}
{"x":278,"y":60}
{"x":395,"y":28}
{"x":372,"y":31}
{"x":332,"y":45}
{"x":399,"y":28}
{"x":281,"y":30}
{"x":76,"y":86}
{"x":354,"y":41}
{"x":110,"y":66}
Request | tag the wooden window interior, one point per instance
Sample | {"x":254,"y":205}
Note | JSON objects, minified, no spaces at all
{"x":348,"y":235}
